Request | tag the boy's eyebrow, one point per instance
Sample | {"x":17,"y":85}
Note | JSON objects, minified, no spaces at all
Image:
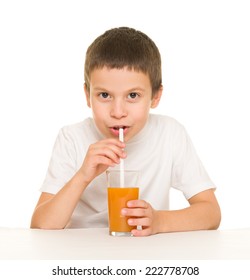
{"x":98,"y":88}
{"x":136,"y":89}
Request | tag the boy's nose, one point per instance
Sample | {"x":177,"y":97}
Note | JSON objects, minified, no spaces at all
{"x":118,"y":110}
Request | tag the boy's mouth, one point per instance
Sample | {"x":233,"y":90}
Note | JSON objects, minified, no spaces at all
{"x":115,"y":129}
{"x":118,"y":127}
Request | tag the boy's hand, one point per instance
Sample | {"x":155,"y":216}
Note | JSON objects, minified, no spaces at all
{"x":143,"y":215}
{"x":101,"y":155}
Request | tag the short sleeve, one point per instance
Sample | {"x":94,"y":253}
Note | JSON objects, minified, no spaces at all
{"x":62,"y":164}
{"x":189,"y":174}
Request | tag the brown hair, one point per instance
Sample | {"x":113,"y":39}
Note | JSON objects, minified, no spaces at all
{"x":125,"y":47}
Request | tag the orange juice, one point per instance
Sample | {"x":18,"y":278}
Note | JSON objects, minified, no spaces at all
{"x":117,"y":199}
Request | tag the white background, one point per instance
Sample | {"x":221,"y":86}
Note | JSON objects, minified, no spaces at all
{"x":206,"y":76}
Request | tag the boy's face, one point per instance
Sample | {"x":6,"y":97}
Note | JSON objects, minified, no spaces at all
{"x":120,"y":98}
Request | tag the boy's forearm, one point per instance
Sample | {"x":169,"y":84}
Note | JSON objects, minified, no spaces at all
{"x":56,"y":212}
{"x":199,"y":216}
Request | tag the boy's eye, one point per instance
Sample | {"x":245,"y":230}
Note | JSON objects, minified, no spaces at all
{"x":104,"y":95}
{"x":133,"y":95}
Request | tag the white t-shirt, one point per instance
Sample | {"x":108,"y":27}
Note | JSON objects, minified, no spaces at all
{"x":162,"y":152}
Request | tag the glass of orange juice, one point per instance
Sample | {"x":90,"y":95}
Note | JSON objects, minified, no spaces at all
{"x":118,"y":196}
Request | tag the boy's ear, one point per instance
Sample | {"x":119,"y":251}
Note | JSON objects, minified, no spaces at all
{"x":87,"y":94}
{"x":157,"y":97}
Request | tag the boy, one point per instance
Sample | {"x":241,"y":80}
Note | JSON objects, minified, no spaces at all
{"x":122,"y":83}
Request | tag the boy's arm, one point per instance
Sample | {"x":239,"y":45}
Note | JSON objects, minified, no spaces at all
{"x":54,"y":211}
{"x":203,"y":213}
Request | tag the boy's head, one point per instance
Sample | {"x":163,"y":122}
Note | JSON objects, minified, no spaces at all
{"x":124,"y":47}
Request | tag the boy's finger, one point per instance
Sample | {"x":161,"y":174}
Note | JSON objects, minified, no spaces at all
{"x":112,"y":152}
{"x":113,"y":141}
{"x":134,"y":212}
{"x":143,"y":232}
{"x":138,"y":203}
{"x":143,"y":222}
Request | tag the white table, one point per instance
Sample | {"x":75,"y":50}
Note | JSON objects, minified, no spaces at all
{"x":91,"y":244}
